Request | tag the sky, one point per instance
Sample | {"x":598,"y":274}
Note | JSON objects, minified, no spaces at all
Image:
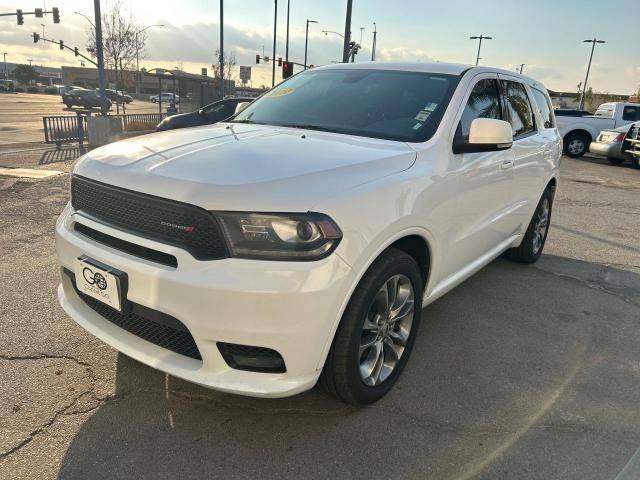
{"x":546,"y":35}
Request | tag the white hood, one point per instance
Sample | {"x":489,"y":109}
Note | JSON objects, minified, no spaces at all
{"x":245,"y":167}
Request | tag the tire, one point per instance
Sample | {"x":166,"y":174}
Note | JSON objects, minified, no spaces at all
{"x":536,"y":235}
{"x":616,"y":161}
{"x":153,"y":100}
{"x":69,"y":105}
{"x":343,"y":375}
{"x":635,"y":162}
{"x":576,"y":145}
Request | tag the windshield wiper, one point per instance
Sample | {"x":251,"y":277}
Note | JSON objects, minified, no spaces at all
{"x":309,"y":126}
{"x":246,"y":120}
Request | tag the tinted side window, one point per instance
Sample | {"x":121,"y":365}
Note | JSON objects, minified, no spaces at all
{"x":543,"y":106}
{"x":484,"y":102}
{"x":518,"y":108}
{"x":631,"y":114}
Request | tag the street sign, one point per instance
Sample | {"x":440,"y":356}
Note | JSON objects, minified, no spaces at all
{"x":245,"y":74}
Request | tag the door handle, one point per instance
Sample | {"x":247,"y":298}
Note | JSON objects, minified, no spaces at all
{"x":506,"y":164}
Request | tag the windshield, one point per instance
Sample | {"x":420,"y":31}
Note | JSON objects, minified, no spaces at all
{"x":393,"y":105}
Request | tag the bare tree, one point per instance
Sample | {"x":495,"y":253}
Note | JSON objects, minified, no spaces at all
{"x":123,"y":42}
{"x":229,"y":64}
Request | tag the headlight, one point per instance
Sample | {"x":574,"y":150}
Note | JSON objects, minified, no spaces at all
{"x":309,"y":236}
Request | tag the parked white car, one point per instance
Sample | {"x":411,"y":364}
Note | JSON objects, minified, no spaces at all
{"x":579,"y":132}
{"x":165,"y":97}
{"x":299,"y":241}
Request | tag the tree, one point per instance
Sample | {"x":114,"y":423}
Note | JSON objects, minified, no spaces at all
{"x":123,"y":41}
{"x":24,"y":73}
{"x":229,"y":64}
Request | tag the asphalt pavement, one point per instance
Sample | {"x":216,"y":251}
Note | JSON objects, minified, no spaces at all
{"x":21,"y":114}
{"x":522,"y":372}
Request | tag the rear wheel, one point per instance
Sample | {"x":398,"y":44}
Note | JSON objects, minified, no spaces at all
{"x":536,"y":235}
{"x":69,"y":105}
{"x":576,"y":145}
{"x":616,"y":161}
{"x":635,"y":162}
{"x":377,"y":331}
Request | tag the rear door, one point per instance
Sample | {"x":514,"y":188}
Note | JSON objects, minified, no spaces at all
{"x":530,"y":145}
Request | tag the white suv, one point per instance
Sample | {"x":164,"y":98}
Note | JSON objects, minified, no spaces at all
{"x":299,"y":241}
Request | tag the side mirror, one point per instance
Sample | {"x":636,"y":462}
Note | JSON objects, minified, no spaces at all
{"x":241,"y":106}
{"x":486,"y":135}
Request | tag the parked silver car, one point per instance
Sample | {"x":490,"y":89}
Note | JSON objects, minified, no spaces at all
{"x":610,"y":144}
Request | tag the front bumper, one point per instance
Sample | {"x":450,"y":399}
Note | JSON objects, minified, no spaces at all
{"x":290,"y":307}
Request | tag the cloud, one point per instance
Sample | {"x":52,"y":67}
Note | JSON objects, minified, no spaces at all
{"x":403,"y":53}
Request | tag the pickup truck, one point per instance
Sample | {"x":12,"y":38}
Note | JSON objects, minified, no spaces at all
{"x":578,"y":132}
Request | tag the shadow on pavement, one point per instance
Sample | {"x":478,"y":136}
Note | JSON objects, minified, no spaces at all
{"x":62,"y":154}
{"x":521,"y":372}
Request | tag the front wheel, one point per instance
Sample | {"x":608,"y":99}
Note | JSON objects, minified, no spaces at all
{"x":377,"y":331}
{"x":576,"y":145}
{"x":536,"y":235}
{"x":153,"y":100}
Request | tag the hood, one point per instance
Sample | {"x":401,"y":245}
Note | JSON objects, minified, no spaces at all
{"x":245,"y":167}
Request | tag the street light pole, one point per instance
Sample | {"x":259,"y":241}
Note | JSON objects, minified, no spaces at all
{"x":373,"y":47}
{"x":286,"y":51}
{"x":275,"y":27}
{"x":347,"y":32}
{"x":100,"y":56}
{"x":221,"y":50}
{"x":521,"y":67}
{"x":586,"y":80}
{"x":6,"y":72}
{"x":480,"y":38}
{"x":306,"y":41}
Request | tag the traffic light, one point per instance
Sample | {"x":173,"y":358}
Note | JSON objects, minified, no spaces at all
{"x":279,"y":61}
{"x":257,"y":58}
{"x":56,"y":15}
{"x":75,"y":51}
{"x":36,"y":37}
{"x":287,"y":70}
{"x":39,"y":13}
{"x":20,"y":17}
{"x":61,"y":45}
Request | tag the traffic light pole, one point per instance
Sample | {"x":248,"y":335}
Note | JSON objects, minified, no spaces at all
{"x":77,"y":54}
{"x":100,"y":57}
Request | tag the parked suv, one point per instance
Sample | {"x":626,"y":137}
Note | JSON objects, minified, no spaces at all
{"x":83,"y":98}
{"x":299,"y":241}
{"x":208,"y":115}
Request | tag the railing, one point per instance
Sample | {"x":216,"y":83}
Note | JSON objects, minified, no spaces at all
{"x":634,"y":140}
{"x":65,"y":128}
{"x":61,"y":129}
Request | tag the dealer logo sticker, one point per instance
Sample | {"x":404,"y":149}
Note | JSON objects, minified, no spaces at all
{"x":96,"y":279}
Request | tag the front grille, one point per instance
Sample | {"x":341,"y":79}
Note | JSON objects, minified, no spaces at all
{"x":251,"y":358}
{"x":181,"y":224}
{"x":144,"y":322}
{"x":128,"y":247}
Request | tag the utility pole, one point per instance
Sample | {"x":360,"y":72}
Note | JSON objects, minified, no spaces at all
{"x":586,"y":80}
{"x":221,"y":49}
{"x":275,"y":27}
{"x":286,"y":51}
{"x":347,"y":32}
{"x":361,"y":31}
{"x":100,"y":56}
{"x":6,"y":72}
{"x":306,"y":41}
{"x":521,"y":67}
{"x":373,"y":47}
{"x":480,"y":38}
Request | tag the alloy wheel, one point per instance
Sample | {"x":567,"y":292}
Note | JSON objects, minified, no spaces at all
{"x":386,"y":330}
{"x":541,"y":225}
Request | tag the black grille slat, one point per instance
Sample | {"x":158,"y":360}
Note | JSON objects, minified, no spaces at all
{"x":145,"y":214}
{"x":176,"y":338}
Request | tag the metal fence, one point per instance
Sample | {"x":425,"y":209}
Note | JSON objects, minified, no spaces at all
{"x":61,"y":129}
{"x":65,"y":129}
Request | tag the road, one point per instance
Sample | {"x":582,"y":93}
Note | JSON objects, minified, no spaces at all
{"x":522,"y":372}
{"x":21,"y":115}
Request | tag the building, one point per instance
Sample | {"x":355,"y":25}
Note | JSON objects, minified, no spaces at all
{"x":46,"y":75}
{"x":201,"y":89}
{"x":571,"y":100}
